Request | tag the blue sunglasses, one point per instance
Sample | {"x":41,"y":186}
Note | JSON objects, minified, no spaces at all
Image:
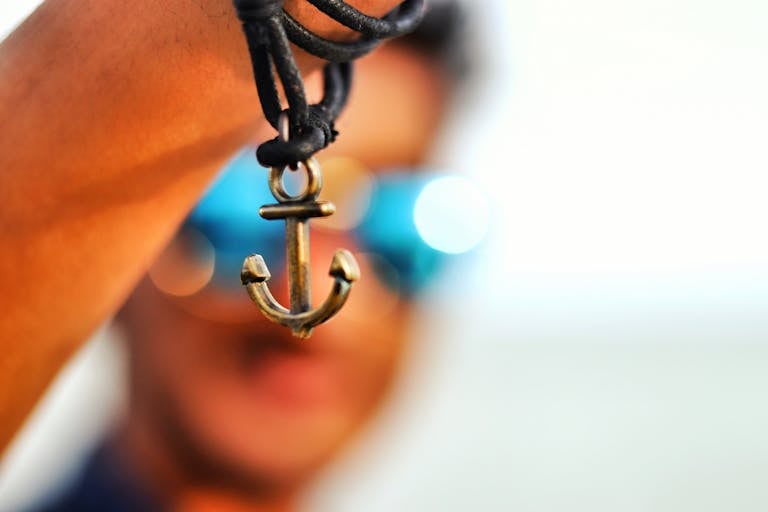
{"x":228,"y":216}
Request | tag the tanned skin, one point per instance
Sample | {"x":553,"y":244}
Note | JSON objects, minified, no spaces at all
{"x":114,"y":117}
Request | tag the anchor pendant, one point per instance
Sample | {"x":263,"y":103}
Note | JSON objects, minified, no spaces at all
{"x":296,"y":211}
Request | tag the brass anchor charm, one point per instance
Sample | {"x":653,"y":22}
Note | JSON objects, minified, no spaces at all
{"x":296,"y":211}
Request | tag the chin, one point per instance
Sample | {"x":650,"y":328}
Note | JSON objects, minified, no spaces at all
{"x":283,"y":415}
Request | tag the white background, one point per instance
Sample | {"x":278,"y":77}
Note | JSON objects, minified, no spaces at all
{"x":608,"y":348}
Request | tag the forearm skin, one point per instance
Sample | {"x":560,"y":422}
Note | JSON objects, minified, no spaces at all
{"x":114,"y":116}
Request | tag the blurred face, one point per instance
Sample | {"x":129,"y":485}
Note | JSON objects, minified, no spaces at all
{"x":234,"y":399}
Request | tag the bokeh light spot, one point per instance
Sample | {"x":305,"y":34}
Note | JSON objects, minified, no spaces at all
{"x":348,"y":184}
{"x":451,"y":215}
{"x":186,"y":266}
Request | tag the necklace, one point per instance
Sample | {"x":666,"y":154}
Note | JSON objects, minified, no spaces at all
{"x":303,"y":130}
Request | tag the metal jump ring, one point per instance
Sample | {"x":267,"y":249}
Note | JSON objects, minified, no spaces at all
{"x":311,"y":191}
{"x":314,"y":176}
{"x":283,"y":126}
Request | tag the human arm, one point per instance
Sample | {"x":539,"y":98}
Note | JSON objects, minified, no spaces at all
{"x":114,"y":116}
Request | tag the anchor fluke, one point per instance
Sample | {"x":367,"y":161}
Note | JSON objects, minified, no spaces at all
{"x":344,"y":266}
{"x":254,"y":270}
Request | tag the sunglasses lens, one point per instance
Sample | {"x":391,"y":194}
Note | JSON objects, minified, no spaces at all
{"x":389,"y":231}
{"x":228,"y":216}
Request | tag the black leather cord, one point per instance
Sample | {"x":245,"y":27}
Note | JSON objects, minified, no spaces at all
{"x":325,"y":48}
{"x":403,"y":19}
{"x":268,"y":30}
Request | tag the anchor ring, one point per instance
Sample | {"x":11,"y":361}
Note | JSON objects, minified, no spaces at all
{"x":310,"y":192}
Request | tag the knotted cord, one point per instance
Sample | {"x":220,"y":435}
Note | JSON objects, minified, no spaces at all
{"x":269,"y":30}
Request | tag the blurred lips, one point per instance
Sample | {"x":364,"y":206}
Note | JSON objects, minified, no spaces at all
{"x":288,"y":372}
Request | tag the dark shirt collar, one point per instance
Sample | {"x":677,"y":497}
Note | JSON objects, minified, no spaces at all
{"x":103,"y":484}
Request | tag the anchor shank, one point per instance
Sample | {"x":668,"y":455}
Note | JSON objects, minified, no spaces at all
{"x":297,"y":241}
